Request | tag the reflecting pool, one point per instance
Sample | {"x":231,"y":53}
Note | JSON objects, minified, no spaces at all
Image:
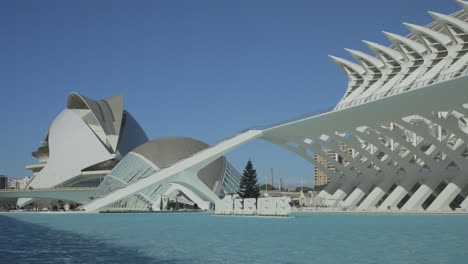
{"x":205,"y":238}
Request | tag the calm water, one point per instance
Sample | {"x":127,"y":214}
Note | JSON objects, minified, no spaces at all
{"x":203,"y":238}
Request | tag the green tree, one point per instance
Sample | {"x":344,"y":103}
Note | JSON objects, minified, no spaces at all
{"x":249,"y":183}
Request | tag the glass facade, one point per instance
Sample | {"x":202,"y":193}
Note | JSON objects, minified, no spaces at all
{"x":141,"y":201}
{"x":133,"y":168}
{"x":84,"y":183}
{"x":231,"y":179}
{"x":130,"y":169}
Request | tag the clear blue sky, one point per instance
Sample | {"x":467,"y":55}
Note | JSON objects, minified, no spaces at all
{"x":204,"y":69}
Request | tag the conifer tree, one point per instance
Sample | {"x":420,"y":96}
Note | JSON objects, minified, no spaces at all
{"x":249,"y":183}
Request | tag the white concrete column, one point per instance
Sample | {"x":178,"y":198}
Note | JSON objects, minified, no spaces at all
{"x":353,"y":198}
{"x":342,"y":192}
{"x":329,"y":190}
{"x":400,"y":191}
{"x":423,"y":192}
{"x":418,"y":198}
{"x":336,"y":198}
{"x":324,"y":194}
{"x":376,"y":194}
{"x":393,"y":199}
{"x":443,"y":200}
{"x":464,"y":204}
{"x":359,"y":192}
{"x":372,"y":199}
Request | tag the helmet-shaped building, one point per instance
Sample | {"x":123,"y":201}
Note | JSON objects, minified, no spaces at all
{"x":189,"y":189}
{"x":83,"y":143}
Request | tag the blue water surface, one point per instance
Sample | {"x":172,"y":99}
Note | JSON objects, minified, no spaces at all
{"x":204,"y":238}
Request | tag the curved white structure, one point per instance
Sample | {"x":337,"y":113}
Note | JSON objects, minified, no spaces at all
{"x":84,"y":142}
{"x":403,"y":113}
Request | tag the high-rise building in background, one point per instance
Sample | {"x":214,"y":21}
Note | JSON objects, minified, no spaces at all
{"x":322,"y":178}
{"x":3,"y":182}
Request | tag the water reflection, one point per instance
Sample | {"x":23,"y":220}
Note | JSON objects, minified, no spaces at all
{"x":23,"y":242}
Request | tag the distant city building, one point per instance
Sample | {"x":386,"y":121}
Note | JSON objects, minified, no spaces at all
{"x":322,"y":178}
{"x":12,"y":183}
{"x":3,"y":182}
{"x":18,"y":184}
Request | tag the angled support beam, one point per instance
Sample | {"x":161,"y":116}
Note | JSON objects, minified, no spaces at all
{"x":317,"y":149}
{"x":450,"y":124}
{"x":175,"y":172}
{"x":421,"y":129}
{"x":381,"y":188}
{"x":363,"y":173}
{"x":355,"y":143}
{"x":371,"y":137}
{"x":335,"y":147}
{"x":443,"y":200}
{"x":397,"y":135}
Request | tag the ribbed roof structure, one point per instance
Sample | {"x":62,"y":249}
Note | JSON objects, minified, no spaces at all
{"x":428,"y":54}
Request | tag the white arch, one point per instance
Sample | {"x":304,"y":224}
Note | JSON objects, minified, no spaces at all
{"x":361,"y":56}
{"x":394,"y":62}
{"x":397,"y":40}
{"x":450,"y":20}
{"x":358,"y":69}
{"x":377,"y":48}
{"x":439,"y":37}
{"x":355,"y":73}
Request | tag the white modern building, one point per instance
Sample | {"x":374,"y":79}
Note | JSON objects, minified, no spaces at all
{"x":404,"y":115}
{"x":83,"y":143}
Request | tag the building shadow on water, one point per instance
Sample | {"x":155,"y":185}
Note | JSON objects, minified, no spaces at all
{"x":22,"y":242}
